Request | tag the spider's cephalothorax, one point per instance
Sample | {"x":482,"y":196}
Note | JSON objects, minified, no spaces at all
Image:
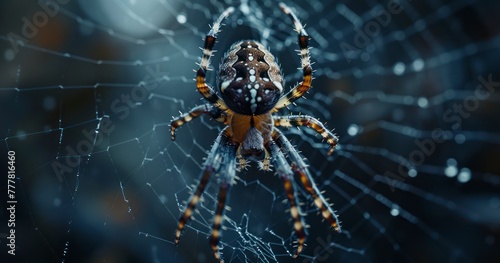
{"x":249,"y":79}
{"x":251,"y":89}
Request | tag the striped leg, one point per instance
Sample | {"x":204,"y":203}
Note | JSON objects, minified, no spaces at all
{"x":206,"y":91}
{"x":227,"y":173}
{"x":301,"y":88}
{"x":214,"y":162}
{"x":300,"y":168}
{"x":216,"y":233}
{"x":188,"y":212}
{"x":304,"y":120}
{"x":286,"y":174}
{"x":195,"y":113}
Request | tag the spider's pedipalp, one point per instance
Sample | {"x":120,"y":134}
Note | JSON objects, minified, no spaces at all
{"x":265,"y":164}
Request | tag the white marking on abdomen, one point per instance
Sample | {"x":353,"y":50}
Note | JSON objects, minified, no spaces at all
{"x":253,"y":104}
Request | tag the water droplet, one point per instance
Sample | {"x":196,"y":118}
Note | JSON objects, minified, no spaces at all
{"x":408,"y":100}
{"x":181,"y":18}
{"x":399,"y":68}
{"x":353,"y":129}
{"x":464,"y":176}
{"x":395,"y":211}
{"x":451,"y":171}
{"x":460,"y":138}
{"x":418,"y":64}
{"x":412,"y":172}
{"x":423,"y":102}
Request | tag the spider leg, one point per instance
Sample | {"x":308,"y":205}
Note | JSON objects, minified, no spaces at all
{"x":302,"y":87}
{"x":304,"y":120}
{"x":216,"y":233}
{"x":206,"y":91}
{"x":216,"y":160}
{"x":226,"y":179}
{"x":194,"y":113}
{"x":286,"y":174}
{"x":300,"y":168}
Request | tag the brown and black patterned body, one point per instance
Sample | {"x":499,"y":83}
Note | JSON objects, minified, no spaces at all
{"x":251,"y":90}
{"x":249,"y":78}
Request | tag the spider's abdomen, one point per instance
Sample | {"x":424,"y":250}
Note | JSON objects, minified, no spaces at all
{"x":249,"y":79}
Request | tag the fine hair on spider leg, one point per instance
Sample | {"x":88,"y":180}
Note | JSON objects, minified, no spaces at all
{"x":285,"y":172}
{"x":220,"y":161}
{"x":300,"y":168}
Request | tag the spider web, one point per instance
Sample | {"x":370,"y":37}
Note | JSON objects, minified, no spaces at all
{"x":410,"y":88}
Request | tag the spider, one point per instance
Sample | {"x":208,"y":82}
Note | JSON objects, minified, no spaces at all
{"x":251,"y":90}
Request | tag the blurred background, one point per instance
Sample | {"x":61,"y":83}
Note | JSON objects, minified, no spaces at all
{"x":88,"y":89}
